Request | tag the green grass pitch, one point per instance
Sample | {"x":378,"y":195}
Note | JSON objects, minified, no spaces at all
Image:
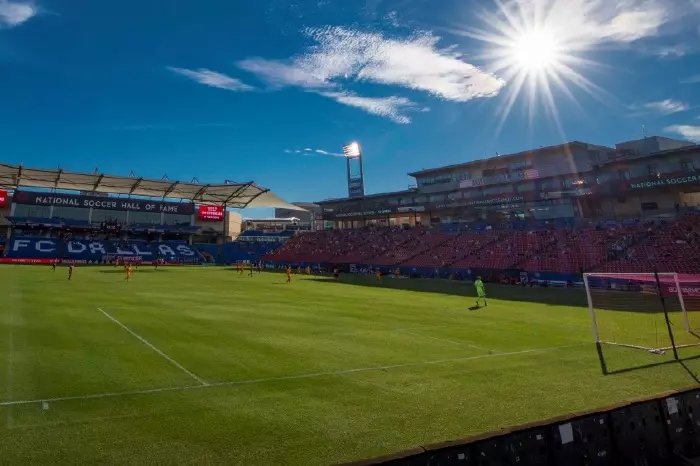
{"x":206,"y":366}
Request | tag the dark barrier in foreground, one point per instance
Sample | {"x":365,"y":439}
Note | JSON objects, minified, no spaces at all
{"x":655,"y":431}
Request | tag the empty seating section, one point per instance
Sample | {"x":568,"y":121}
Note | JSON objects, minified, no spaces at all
{"x":671,"y":245}
{"x":246,"y":251}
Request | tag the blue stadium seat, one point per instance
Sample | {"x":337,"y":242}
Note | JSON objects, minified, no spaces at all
{"x":247,"y":250}
{"x":177,"y":251}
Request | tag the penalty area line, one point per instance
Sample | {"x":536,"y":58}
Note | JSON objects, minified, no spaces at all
{"x":313,"y":375}
{"x":150,"y":345}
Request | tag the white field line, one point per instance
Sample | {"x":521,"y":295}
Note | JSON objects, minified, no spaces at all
{"x":448,"y":341}
{"x":147,"y":343}
{"x":10,"y":364}
{"x":313,"y":375}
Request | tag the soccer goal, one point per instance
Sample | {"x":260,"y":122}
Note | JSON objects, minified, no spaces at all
{"x":646,"y":311}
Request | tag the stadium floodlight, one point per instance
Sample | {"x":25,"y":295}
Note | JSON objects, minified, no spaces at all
{"x":352,"y":150}
{"x":644,"y":311}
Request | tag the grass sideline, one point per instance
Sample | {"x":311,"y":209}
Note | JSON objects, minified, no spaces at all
{"x":206,"y":366}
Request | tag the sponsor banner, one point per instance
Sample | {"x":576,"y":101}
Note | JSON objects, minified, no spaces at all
{"x":3,"y":198}
{"x":356,"y":187}
{"x":531,"y":174}
{"x":688,"y":289}
{"x":671,"y":181}
{"x":102,"y":203}
{"x":418,"y":208}
{"x":511,"y":199}
{"x":211,"y":213}
{"x":365,"y":213}
{"x":17,"y":260}
{"x":471,"y":183}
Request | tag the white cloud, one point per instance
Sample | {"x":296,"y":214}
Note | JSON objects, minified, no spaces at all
{"x":667,"y":106}
{"x":309,"y":151}
{"x":414,"y":63}
{"x":334,"y":154}
{"x":343,"y":54}
{"x":687,"y":131}
{"x":632,"y":20}
{"x":691,"y":79}
{"x":213,"y":79}
{"x":673,"y":51}
{"x":282,"y":74}
{"x":663,"y":107}
{"x":389,"y":107}
{"x":15,"y":13}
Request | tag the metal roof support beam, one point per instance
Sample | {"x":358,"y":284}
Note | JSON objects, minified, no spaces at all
{"x":135,"y":185}
{"x":97,"y":182}
{"x":58,"y":178}
{"x":201,"y":192}
{"x":170,"y":189}
{"x":238,"y":191}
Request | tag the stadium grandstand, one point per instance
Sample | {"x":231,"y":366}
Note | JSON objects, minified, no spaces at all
{"x":548,"y":214}
{"x":96,"y":218}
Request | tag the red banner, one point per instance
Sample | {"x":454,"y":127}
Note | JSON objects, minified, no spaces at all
{"x":210,"y":213}
{"x":17,"y":260}
{"x":3,"y":198}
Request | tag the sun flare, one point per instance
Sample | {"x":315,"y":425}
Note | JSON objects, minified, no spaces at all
{"x":534,"y":46}
{"x":536,"y":51}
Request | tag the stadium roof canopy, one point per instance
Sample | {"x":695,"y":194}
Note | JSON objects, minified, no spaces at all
{"x":231,"y":194}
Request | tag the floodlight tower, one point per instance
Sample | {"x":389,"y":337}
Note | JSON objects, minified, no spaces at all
{"x":356,"y":178}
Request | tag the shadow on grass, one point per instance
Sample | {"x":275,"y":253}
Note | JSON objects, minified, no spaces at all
{"x":681,"y":361}
{"x":547,"y":296}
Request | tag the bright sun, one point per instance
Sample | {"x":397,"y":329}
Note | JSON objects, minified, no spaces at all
{"x":535,"y":51}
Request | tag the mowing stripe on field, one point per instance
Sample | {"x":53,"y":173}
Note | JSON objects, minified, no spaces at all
{"x":147,"y":343}
{"x":313,"y":375}
{"x":447,"y":341}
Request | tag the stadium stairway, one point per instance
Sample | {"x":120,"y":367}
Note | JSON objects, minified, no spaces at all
{"x":210,"y":252}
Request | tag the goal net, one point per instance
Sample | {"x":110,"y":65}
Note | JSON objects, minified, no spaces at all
{"x":648,"y":311}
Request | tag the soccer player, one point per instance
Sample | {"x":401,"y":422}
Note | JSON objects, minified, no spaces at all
{"x":289,"y":274}
{"x":378,"y":273}
{"x":251,"y":270}
{"x":336,"y":273}
{"x":53,"y":266}
{"x":480,"y":291}
{"x":308,"y":270}
{"x":128,"y":272}
{"x":70,"y":271}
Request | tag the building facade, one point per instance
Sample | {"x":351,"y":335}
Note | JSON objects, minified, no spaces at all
{"x":575,"y":180}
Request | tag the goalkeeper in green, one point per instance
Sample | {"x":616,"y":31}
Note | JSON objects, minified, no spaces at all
{"x":480,"y":291}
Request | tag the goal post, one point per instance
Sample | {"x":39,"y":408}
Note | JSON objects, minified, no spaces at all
{"x":642,"y":310}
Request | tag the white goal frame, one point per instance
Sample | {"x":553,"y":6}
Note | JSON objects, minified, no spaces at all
{"x":652,"y":277}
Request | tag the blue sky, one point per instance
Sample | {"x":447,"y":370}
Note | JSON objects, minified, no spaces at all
{"x":271,"y":90}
